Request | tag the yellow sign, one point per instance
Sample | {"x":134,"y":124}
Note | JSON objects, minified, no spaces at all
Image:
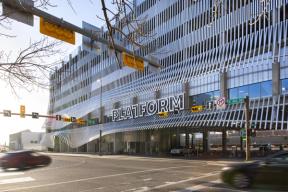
{"x":197,"y":108}
{"x":22,"y":111}
{"x":163,"y":114}
{"x":67,"y":119}
{"x":131,"y":61}
{"x":57,"y":31}
{"x":81,"y":121}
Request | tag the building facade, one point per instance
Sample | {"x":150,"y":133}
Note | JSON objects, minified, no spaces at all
{"x":26,"y":140}
{"x":211,"y":52}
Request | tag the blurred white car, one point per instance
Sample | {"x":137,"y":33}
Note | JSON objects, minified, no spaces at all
{"x":177,"y":151}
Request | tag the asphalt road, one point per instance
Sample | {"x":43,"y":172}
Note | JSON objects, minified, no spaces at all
{"x":117,"y":173}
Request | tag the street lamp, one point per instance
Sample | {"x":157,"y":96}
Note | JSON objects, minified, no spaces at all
{"x":100,"y":118}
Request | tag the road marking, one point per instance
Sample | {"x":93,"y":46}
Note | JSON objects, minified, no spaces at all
{"x":98,"y":188}
{"x":141,"y":189}
{"x":93,"y":178}
{"x":167,"y":184}
{"x":16,"y":180}
{"x":208,"y":185}
{"x":201,"y":186}
{"x":7,"y":174}
{"x":148,"y":179}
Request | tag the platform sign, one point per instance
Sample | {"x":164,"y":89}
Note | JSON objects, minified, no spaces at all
{"x":132,"y":61}
{"x":221,"y":103}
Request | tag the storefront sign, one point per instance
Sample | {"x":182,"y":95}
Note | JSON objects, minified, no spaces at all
{"x":149,"y":108}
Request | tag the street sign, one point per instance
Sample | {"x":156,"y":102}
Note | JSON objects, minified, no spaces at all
{"x":7,"y":113}
{"x":67,"y":119}
{"x":163,"y":114}
{"x":57,"y":31}
{"x":58,"y":117}
{"x":235,"y":101}
{"x":91,"y":122}
{"x":197,"y":108}
{"x":132,"y":61}
{"x":22,"y":111}
{"x":81,"y":121}
{"x":35,"y":115}
{"x":18,"y":13}
{"x":221,"y":103}
{"x":73,"y":119}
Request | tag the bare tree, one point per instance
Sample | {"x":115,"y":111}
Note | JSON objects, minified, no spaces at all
{"x":124,"y":22}
{"x":29,"y":68}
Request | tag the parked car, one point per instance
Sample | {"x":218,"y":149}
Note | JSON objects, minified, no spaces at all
{"x":265,"y":147}
{"x":271,"y":173}
{"x":177,"y":151}
{"x":23,"y":159}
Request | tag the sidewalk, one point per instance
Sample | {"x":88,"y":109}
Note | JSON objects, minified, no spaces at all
{"x":143,"y":157}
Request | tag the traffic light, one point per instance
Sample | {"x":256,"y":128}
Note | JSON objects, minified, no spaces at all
{"x":56,"y":31}
{"x":7,"y":113}
{"x":73,"y":119}
{"x":163,"y":114}
{"x":22,"y":111}
{"x":35,"y":115}
{"x":58,"y":117}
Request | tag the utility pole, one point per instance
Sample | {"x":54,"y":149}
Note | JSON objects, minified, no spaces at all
{"x":23,"y":6}
{"x":101,"y":117}
{"x":247,"y":127}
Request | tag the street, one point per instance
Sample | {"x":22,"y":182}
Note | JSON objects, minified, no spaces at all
{"x":117,"y":173}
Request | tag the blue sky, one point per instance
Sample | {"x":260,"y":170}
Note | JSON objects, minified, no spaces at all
{"x":37,"y":100}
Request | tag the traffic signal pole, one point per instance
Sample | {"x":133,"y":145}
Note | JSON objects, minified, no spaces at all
{"x":23,"y":6}
{"x":247,"y":127}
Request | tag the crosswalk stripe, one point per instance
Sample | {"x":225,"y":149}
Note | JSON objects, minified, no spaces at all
{"x":7,"y":174}
{"x":16,"y":180}
{"x":199,"y":187}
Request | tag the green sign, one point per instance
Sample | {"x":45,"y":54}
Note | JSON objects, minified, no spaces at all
{"x":91,"y":122}
{"x":235,"y":101}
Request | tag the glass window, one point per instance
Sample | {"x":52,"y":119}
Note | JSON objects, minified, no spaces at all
{"x":233,"y":93}
{"x":216,"y":94}
{"x":266,"y":88}
{"x":284,"y":86}
{"x":243,"y":91}
{"x":254,"y":90}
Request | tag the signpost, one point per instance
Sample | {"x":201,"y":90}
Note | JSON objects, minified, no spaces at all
{"x":247,"y":127}
{"x":132,"y":61}
{"x":221,"y":103}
